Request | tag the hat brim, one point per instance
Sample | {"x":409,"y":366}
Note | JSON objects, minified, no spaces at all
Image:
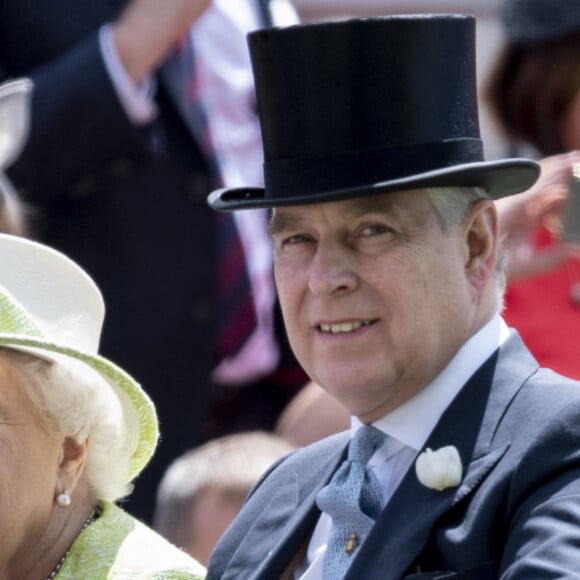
{"x":499,"y":178}
{"x":138,"y":409}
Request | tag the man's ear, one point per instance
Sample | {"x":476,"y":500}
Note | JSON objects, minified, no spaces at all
{"x":72,"y":463}
{"x":481,"y":243}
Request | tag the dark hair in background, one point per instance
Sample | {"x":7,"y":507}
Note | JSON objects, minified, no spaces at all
{"x":532,"y":86}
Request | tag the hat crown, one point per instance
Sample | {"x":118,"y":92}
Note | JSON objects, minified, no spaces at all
{"x":366,"y":83}
{"x":46,"y":295}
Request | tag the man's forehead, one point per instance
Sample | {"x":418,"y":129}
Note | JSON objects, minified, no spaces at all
{"x":380,"y":203}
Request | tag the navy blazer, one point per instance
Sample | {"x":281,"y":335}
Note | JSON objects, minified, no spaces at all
{"x":516,"y":513}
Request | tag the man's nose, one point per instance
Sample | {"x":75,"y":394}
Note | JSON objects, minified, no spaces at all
{"x":332,"y":270}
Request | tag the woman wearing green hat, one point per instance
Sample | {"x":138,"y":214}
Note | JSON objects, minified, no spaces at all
{"x":75,"y":431}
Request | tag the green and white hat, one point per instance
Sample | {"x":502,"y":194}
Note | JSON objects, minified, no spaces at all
{"x":50,"y":307}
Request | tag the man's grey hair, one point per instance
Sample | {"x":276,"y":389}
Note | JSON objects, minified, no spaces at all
{"x":452,"y":205}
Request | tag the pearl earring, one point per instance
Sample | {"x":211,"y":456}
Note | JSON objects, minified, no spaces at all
{"x":63,"y":499}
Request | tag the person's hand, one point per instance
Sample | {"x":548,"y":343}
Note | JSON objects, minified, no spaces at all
{"x":520,"y":215}
{"x":147,"y":30}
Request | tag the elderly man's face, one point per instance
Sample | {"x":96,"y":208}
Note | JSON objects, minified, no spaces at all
{"x":376,"y":297}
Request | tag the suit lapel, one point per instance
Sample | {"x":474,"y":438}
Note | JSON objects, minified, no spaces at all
{"x":306,"y":513}
{"x":469,"y":424}
{"x":282,"y":525}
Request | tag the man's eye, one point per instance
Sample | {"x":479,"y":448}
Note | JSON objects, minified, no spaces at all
{"x":374,"y":230}
{"x":296,"y":239}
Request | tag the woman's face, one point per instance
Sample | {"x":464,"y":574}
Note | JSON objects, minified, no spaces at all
{"x":29,"y":461}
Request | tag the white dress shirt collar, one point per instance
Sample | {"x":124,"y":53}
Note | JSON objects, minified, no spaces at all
{"x":408,"y":428}
{"x":412,"y":422}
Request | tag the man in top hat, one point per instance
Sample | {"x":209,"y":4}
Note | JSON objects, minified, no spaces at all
{"x":462,"y":460}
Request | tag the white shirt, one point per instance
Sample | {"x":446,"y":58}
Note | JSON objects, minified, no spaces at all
{"x":224,"y":71}
{"x":408,"y":428}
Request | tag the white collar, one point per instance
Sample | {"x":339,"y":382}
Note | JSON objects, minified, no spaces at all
{"x":412,"y":422}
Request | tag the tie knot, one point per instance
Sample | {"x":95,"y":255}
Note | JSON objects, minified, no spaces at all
{"x":364,"y":443}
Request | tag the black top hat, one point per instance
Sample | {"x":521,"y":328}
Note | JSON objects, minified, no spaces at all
{"x":367,"y":106}
{"x":531,"y":21}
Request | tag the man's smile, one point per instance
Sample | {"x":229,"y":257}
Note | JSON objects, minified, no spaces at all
{"x":344,"y":327}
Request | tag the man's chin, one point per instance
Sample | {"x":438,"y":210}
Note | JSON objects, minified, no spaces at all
{"x":359,"y":399}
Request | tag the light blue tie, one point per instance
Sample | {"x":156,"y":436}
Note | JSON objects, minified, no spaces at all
{"x":353,"y":500}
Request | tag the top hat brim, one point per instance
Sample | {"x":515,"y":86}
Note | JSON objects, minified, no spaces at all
{"x":499,"y":178}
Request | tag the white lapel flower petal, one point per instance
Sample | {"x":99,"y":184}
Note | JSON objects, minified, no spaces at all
{"x":439,"y":469}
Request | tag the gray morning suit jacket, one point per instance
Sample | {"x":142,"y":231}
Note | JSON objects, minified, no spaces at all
{"x":516,"y":513}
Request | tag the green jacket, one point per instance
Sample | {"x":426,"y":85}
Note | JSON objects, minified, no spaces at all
{"x":116,"y":546}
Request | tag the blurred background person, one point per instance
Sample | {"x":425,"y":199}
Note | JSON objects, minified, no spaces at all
{"x":534,"y":92}
{"x":139,"y":109}
{"x":75,"y":430}
{"x":203,"y":490}
{"x":14,"y":126}
{"x":12,"y":211}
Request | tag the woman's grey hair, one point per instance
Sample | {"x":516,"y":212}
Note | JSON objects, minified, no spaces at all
{"x":73,"y":400}
{"x":452,"y":205}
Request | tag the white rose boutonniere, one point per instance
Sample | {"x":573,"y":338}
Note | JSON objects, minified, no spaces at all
{"x":439,"y":469}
